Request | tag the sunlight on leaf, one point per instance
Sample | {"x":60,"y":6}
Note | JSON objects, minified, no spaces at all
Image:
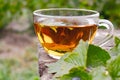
{"x":79,"y":55}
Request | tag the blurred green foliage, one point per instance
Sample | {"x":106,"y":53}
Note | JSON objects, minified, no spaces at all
{"x":11,"y":9}
{"x":11,"y":69}
{"x":23,"y":68}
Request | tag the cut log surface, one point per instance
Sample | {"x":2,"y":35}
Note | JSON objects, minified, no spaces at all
{"x":45,"y":59}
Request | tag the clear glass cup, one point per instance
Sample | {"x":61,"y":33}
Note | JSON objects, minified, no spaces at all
{"x":59,"y":30}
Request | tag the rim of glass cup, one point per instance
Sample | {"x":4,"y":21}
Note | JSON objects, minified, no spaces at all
{"x":95,"y":13}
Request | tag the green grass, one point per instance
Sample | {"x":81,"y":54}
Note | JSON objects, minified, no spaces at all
{"x":24,"y":67}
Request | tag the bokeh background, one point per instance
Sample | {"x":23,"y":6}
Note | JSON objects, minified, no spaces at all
{"x":18,"y":43}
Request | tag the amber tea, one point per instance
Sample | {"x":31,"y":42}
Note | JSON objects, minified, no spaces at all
{"x":61,"y":39}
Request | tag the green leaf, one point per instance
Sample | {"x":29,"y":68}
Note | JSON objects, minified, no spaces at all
{"x":60,"y":67}
{"x":75,"y":59}
{"x":114,"y":68}
{"x":77,"y":73}
{"x":97,"y":56}
{"x":79,"y":55}
{"x":114,"y":63}
{"x":117,"y":41}
{"x":116,"y":49}
{"x":100,"y":73}
{"x":36,"y":78}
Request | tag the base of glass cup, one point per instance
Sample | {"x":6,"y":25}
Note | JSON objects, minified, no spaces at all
{"x":53,"y":56}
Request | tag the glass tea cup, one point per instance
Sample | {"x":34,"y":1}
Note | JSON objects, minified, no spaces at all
{"x":59,"y":30}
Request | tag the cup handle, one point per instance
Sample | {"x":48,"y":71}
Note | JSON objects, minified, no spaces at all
{"x":109,"y":26}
